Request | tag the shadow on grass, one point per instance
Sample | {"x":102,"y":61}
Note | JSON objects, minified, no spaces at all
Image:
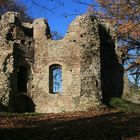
{"x":113,"y":126}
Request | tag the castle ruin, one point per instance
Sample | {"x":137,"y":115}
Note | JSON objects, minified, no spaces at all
{"x":79,"y":72}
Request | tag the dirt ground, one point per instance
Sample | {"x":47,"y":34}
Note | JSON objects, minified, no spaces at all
{"x":90,"y":125}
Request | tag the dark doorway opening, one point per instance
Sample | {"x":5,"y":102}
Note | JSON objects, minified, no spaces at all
{"x":22,"y":79}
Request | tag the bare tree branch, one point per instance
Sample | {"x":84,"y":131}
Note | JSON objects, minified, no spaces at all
{"x":41,"y":6}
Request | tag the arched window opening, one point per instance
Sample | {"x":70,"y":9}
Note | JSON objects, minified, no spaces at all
{"x":55,"y":78}
{"x":22,"y":79}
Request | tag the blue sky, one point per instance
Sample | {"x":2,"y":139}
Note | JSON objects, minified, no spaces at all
{"x":57,"y":20}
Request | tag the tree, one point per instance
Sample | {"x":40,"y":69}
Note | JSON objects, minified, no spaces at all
{"x":124,"y":16}
{"x":56,"y":35}
{"x":16,"y":6}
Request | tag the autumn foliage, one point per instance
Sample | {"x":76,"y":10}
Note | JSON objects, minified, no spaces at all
{"x":124,"y":16}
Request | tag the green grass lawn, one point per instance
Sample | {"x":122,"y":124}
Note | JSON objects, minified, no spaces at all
{"x":124,"y":105}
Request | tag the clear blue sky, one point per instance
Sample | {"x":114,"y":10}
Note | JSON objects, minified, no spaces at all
{"x":57,"y":20}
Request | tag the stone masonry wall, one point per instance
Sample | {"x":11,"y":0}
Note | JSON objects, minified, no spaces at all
{"x":90,"y":55}
{"x":16,"y":49}
{"x":48,"y":52}
{"x":27,"y":52}
{"x":79,"y":54}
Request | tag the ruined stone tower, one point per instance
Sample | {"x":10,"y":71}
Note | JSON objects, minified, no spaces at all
{"x":78,"y":72}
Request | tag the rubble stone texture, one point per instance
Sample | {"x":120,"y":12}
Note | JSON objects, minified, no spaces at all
{"x":91,"y":72}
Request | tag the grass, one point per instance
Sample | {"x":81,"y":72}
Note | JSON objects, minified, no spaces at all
{"x":8,"y":114}
{"x":124,"y":105}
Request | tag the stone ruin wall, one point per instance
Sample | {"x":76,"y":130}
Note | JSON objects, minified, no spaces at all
{"x":16,"y":49}
{"x":79,"y":54}
{"x":48,"y":52}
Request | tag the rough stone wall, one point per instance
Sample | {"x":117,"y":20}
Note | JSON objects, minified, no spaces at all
{"x":48,"y":52}
{"x":90,"y":61}
{"x":79,"y":54}
{"x":87,"y":58}
{"x":5,"y":69}
{"x":16,"y":50}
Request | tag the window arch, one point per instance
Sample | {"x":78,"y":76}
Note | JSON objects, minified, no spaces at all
{"x":55,"y":78}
